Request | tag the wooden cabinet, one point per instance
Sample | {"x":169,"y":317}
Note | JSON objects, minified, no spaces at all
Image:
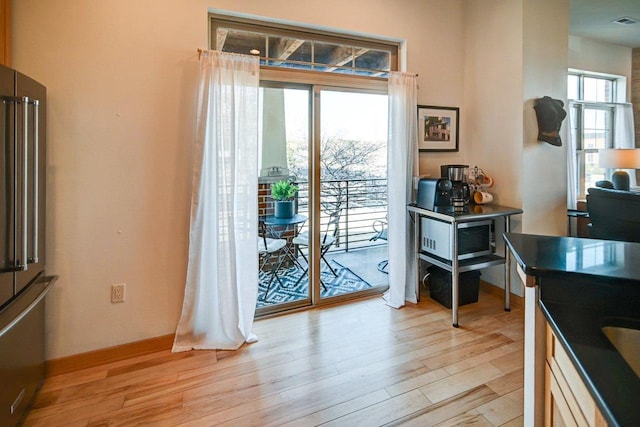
{"x":567,"y":400}
{"x":554,"y":392}
{"x":5,"y":32}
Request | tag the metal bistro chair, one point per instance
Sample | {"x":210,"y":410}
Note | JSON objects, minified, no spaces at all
{"x":327,"y":239}
{"x":267,"y":249}
{"x":382,"y":232}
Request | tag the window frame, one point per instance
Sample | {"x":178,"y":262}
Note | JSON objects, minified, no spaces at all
{"x":217,"y":21}
{"x":582,"y":152}
{"x":598,"y":76}
{"x":581,"y":105}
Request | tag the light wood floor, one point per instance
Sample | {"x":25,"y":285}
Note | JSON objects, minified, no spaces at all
{"x":355,"y":364}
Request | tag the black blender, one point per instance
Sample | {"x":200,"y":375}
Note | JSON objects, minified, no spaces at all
{"x":460,"y":194}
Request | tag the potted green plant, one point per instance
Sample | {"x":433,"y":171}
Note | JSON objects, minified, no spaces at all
{"x":283,"y":193}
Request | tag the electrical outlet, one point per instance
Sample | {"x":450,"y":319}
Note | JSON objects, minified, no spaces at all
{"x":118,"y":292}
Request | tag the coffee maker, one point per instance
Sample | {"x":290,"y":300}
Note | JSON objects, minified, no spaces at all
{"x":434,"y":194}
{"x":460,"y":193}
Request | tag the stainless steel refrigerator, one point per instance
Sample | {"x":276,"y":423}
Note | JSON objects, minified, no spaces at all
{"x":23,"y":281}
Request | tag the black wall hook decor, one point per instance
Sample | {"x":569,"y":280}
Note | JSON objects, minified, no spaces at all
{"x":550,"y":115}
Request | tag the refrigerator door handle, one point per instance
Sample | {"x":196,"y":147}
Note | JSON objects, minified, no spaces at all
{"x":15,"y":264}
{"x":48,"y":282}
{"x":25,"y":173}
{"x":36,"y":192}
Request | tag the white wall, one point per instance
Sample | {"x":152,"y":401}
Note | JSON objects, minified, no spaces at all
{"x":591,"y":55}
{"x":493,"y":95}
{"x":509,"y":58}
{"x":544,"y":166}
{"x":122,"y":80}
{"x":493,"y":101}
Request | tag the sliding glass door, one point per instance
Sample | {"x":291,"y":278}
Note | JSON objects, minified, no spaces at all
{"x":352,"y":142}
{"x":285,"y":141}
{"x":331,"y":144}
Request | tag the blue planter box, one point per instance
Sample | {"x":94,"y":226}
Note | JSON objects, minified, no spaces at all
{"x":284,"y":209}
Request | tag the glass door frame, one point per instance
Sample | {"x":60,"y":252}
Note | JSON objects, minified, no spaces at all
{"x":308,"y":301}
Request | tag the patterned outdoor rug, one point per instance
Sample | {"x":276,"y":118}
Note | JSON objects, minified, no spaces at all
{"x":346,"y":282}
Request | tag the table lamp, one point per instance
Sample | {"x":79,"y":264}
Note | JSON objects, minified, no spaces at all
{"x":621,"y":158}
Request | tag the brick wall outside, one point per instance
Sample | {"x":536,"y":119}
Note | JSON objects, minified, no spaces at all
{"x":265,"y":203}
{"x":265,"y":207}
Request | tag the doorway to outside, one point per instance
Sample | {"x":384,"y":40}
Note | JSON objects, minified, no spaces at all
{"x":332,"y":144}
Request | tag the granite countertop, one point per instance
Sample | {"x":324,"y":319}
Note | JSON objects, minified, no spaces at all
{"x":591,"y":257}
{"x":586,"y":284}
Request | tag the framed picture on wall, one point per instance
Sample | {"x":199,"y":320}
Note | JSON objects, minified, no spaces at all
{"x":438,"y":128}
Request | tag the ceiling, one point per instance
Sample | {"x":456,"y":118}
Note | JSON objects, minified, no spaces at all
{"x":593,"y":19}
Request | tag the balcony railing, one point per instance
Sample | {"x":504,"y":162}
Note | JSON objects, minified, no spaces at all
{"x":362,"y":202}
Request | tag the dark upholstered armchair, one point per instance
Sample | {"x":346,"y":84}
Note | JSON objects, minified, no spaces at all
{"x":614,"y":214}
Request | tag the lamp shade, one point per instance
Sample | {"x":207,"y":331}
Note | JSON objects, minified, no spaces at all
{"x":622,"y":158}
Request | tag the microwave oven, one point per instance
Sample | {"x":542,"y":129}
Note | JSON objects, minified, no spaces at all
{"x":474,"y":238}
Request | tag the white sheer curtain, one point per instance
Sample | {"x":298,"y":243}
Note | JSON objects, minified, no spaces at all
{"x":222,"y":275}
{"x":572,"y":174}
{"x":402,"y":166}
{"x":624,"y":134}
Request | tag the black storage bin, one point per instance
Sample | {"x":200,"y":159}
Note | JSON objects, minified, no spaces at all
{"x":440,"y":286}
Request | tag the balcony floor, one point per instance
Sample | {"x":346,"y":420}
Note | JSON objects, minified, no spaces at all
{"x":364,"y":263}
{"x":357,"y":270}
